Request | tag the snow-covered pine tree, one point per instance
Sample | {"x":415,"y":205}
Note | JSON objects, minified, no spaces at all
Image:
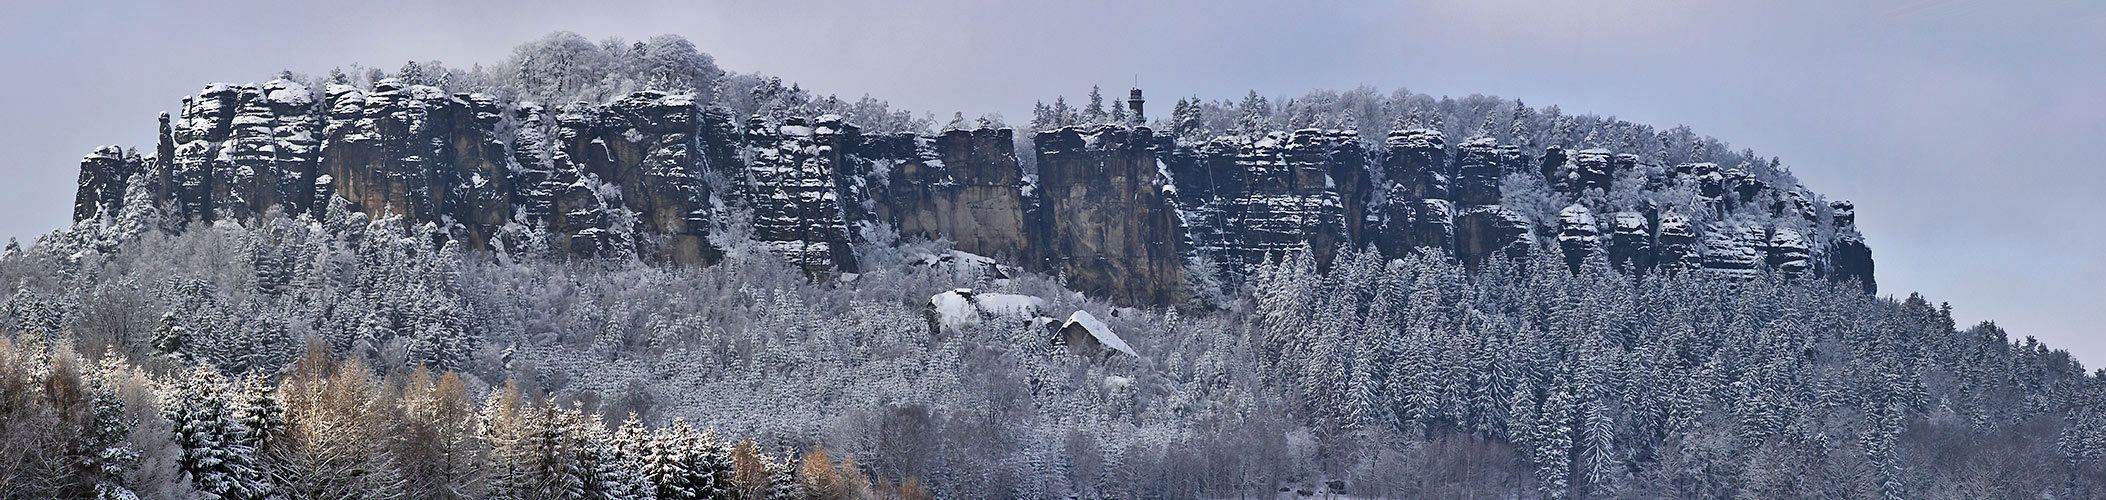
{"x":1253,"y":115}
{"x":1094,"y":111}
{"x":1063,"y":115}
{"x":609,"y":475}
{"x":217,"y":453}
{"x":713,"y":465}
{"x":108,"y":437}
{"x":782,"y":480}
{"x":670,"y":467}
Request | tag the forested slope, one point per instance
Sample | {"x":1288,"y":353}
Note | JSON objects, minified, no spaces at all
{"x":334,"y":350}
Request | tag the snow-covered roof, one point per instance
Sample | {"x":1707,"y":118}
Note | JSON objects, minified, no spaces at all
{"x":959,"y":308}
{"x":1100,"y":331}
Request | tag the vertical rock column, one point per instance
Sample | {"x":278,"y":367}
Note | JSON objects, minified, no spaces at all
{"x":1415,"y":212}
{"x":479,"y":202}
{"x":1252,"y":199}
{"x":1848,"y":256}
{"x":384,"y":151}
{"x":200,"y":134}
{"x":647,"y":144}
{"x":103,"y":177}
{"x":584,"y":213}
{"x":296,"y":143}
{"x":1484,"y":227}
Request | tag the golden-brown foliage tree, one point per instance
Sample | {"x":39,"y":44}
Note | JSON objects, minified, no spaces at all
{"x":439,"y":451}
{"x":340,"y":427}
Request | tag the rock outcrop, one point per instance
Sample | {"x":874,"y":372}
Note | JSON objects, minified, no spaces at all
{"x":1116,"y":210}
{"x":1848,"y":257}
{"x":1578,"y":235}
{"x":104,"y":177}
{"x":964,"y":185}
{"x":798,"y":180}
{"x":1631,"y":242}
{"x":1110,"y":228}
{"x":1241,"y":199}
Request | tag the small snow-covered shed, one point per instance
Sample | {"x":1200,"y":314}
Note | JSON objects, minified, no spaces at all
{"x":1084,"y":334}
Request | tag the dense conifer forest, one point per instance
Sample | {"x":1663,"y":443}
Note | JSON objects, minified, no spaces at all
{"x":333,"y":354}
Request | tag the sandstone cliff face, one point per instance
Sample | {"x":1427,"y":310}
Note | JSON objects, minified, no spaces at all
{"x":646,"y":148}
{"x":1241,"y":199}
{"x":794,"y":177}
{"x":1414,"y":212}
{"x":1631,"y":242}
{"x":1676,"y":243}
{"x":1427,"y":203}
{"x":1578,"y":235}
{"x":965,"y":185}
{"x":103,"y":180}
{"x":1848,"y":257}
{"x":1118,"y":211}
{"x":1110,"y":227}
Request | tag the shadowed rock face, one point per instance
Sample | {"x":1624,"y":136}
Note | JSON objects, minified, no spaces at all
{"x":1677,"y":243}
{"x":1414,"y":212}
{"x":1851,"y":259}
{"x":1116,"y":210}
{"x":1479,"y":168}
{"x":647,"y":146}
{"x":1733,"y":250}
{"x":965,"y":185}
{"x":1241,"y":199}
{"x":103,"y":178}
{"x":1578,"y":235}
{"x":1110,"y":227}
{"x":1631,"y":242}
{"x":1488,"y":230}
{"x":1848,"y":257}
{"x":795,"y":183}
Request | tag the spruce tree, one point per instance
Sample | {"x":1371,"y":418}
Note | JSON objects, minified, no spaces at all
{"x":1094,"y":113}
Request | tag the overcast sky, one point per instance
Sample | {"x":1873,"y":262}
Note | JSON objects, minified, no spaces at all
{"x":1971,"y":134}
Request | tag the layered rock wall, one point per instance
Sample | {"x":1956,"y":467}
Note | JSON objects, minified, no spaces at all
{"x":1118,"y":211}
{"x":1110,"y":227}
{"x":964,"y":185}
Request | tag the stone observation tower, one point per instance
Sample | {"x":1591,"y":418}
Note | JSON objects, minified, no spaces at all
{"x":1133,"y":107}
